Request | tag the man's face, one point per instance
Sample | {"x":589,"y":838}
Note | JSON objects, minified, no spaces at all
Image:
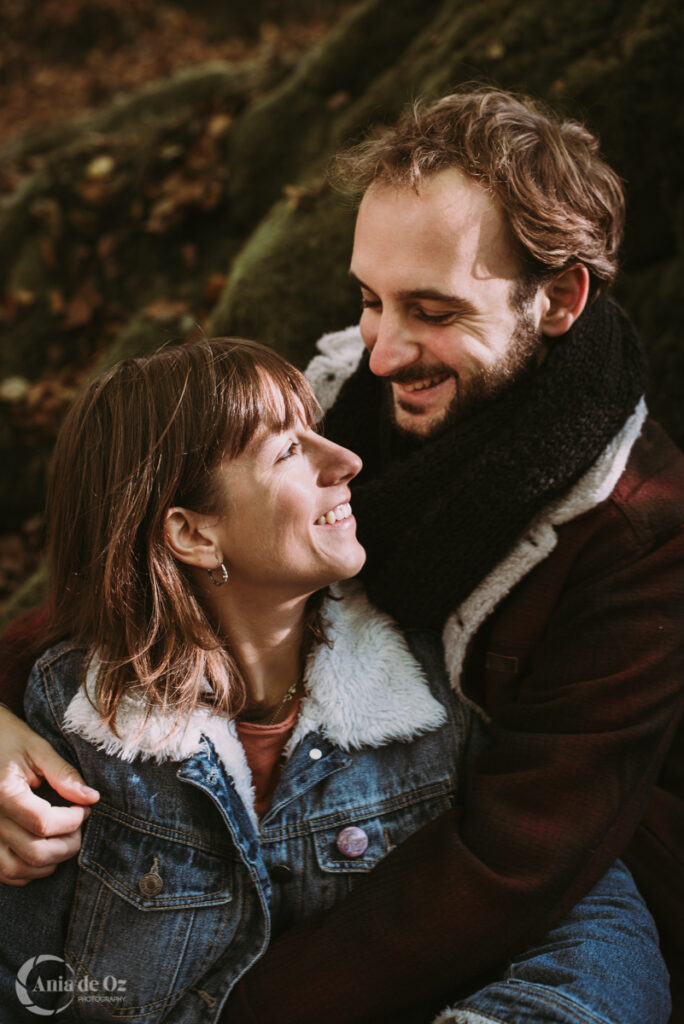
{"x":440,"y":315}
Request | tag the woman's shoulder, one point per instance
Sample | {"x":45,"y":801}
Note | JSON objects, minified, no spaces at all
{"x":58,"y":672}
{"x":52,"y":683}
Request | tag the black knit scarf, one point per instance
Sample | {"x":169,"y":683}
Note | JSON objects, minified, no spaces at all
{"x":436,"y":517}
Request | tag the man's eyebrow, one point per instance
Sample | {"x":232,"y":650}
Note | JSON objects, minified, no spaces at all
{"x":434,"y":294}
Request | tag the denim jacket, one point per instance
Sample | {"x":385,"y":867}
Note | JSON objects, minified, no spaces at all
{"x":179,"y":888}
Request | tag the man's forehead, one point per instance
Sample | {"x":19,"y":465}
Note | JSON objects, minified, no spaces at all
{"x":448,"y":189}
{"x":451,"y":220}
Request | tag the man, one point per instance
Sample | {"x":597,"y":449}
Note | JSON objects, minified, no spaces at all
{"x":515,"y":497}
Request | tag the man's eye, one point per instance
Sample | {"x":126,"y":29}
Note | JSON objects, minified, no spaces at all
{"x":435,"y":318}
{"x":370,"y":303}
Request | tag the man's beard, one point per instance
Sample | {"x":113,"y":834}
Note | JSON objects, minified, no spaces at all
{"x":522,"y":357}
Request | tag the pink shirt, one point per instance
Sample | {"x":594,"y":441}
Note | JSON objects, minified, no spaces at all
{"x":264,"y":745}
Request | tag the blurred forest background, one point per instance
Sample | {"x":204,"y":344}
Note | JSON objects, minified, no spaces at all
{"x":162,"y":174}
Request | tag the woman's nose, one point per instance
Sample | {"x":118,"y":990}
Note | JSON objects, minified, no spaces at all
{"x":339,"y":465}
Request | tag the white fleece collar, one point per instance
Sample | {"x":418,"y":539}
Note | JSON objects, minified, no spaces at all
{"x":365,"y":690}
{"x":158,"y":736}
{"x":336,"y":358}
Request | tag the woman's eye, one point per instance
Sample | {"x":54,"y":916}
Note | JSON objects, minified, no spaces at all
{"x":370,"y":303}
{"x":291,"y":450}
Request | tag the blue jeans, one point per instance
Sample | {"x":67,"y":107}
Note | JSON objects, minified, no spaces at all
{"x":600,"y":965}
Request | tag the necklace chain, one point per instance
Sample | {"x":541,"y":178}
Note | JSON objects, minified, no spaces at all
{"x":287,"y":699}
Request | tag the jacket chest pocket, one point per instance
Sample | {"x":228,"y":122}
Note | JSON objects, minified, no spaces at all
{"x":356,"y":844}
{"x":153,"y":909}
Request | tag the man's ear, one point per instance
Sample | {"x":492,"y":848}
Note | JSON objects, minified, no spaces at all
{"x":189,"y":537}
{"x":566,"y":296}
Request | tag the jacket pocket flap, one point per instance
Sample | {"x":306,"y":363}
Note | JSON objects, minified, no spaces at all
{"x":338,"y":849}
{"x":152,"y":866}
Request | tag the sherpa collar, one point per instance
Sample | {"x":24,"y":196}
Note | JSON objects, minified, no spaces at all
{"x":595,"y":486}
{"x":365,"y":690}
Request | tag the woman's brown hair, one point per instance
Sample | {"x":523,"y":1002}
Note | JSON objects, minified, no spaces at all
{"x":563,"y":203}
{"x":140,"y":439}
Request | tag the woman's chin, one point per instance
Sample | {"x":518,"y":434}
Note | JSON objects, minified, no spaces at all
{"x":352,"y":567}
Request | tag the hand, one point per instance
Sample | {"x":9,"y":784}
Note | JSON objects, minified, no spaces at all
{"x":34,"y":835}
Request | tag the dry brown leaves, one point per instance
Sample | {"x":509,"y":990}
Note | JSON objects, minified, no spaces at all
{"x":64,"y":57}
{"x":61,"y":57}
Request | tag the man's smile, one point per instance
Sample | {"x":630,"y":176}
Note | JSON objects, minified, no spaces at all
{"x":426,"y":382}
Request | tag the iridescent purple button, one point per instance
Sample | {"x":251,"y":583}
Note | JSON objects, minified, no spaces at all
{"x":352,"y":841}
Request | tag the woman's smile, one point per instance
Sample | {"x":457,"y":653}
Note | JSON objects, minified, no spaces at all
{"x":340,"y":514}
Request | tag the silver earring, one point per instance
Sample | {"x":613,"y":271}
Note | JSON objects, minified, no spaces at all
{"x":224,"y":575}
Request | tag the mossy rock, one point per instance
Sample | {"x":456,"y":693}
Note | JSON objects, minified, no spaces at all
{"x":283,"y":134}
{"x":304,"y":245}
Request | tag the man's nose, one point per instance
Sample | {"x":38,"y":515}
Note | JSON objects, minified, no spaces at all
{"x":391,"y":346}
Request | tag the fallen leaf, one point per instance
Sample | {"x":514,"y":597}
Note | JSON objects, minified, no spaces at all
{"x":164,"y":310}
{"x":338,"y":100}
{"x":81,"y":307}
{"x":214,"y":287}
{"x":47,"y":253}
{"x":495,"y":50}
{"x":189,"y":254}
{"x":14,"y":389}
{"x":101,"y":167}
{"x":56,"y":301}
{"x":219,"y":125}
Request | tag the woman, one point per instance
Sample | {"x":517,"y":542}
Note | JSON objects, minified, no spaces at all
{"x":258,"y":742}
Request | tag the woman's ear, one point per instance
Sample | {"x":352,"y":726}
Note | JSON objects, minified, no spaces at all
{"x":566,"y":296}
{"x":189,"y":537}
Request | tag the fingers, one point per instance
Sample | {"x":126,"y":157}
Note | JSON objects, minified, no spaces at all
{"x":15,"y":872}
{"x":24,"y":857}
{"x":34,"y":835}
{"x":34,"y":815}
{"x":61,"y":775}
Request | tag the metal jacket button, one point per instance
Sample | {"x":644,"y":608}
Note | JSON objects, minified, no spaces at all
{"x":352,"y":841}
{"x":150,"y":884}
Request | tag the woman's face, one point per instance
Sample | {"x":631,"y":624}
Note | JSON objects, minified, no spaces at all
{"x":288,"y":524}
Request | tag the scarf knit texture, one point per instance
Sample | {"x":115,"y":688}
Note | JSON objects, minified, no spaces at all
{"x":437,"y":516}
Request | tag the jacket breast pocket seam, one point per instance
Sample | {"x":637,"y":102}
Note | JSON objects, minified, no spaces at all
{"x":360,"y":812}
{"x":156,"y":829}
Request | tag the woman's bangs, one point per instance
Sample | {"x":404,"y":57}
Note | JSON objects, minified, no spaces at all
{"x":273,"y":397}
